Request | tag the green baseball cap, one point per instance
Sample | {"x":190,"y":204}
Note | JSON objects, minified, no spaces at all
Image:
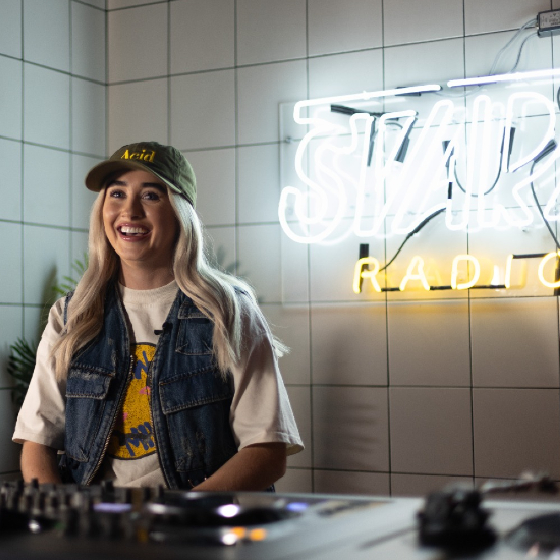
{"x":165,"y":162}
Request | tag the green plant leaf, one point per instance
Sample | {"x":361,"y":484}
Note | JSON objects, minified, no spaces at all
{"x":23,"y":355}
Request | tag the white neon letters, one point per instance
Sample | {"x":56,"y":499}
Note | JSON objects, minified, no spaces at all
{"x":461,"y":154}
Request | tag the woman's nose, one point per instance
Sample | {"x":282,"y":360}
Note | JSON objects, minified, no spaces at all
{"x":133,"y":207}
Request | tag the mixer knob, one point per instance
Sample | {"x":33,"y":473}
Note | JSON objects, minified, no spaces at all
{"x":110,"y":526}
{"x":51,"y":503}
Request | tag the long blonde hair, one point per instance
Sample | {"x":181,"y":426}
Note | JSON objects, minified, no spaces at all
{"x":212,"y":291}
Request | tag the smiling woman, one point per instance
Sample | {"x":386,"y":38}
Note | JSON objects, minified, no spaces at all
{"x":158,"y":368}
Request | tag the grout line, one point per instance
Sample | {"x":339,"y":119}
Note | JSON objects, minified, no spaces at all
{"x":89,"y":5}
{"x":22,"y":168}
{"x":70,"y":137}
{"x":309,"y":304}
{"x":106,"y":79}
{"x":236,"y":140}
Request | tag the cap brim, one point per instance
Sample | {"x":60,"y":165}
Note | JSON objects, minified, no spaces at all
{"x":97,"y":177}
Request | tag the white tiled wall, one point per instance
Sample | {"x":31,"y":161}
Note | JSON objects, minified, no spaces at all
{"x":52,"y":128}
{"x":392,"y":394}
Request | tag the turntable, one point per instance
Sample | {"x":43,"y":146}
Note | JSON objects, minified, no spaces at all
{"x":103,"y":522}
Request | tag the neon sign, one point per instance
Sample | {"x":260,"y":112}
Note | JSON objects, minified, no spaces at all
{"x":369,"y":166}
{"x":368,"y":268}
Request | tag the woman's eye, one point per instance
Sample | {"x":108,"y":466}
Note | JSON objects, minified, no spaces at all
{"x":151,"y":195}
{"x":116,"y":193}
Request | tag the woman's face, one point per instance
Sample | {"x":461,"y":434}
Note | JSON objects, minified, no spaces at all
{"x":139,"y":222}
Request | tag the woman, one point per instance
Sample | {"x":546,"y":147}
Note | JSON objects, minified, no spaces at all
{"x":158,"y":369}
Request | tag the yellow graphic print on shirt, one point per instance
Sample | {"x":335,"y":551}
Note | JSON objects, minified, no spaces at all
{"x":132,"y":435}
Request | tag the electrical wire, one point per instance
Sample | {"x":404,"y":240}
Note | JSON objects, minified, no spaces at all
{"x":528,"y":24}
{"x":410,"y":234}
{"x":475,"y":195}
{"x":546,"y":151}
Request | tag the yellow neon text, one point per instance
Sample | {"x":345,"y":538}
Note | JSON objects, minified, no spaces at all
{"x":541,"y":270}
{"x":360,"y":273}
{"x":454,"y":272}
{"x":369,"y":268}
{"x":415,"y":262}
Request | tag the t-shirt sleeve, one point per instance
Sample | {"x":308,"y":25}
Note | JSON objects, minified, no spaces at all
{"x":261,"y":411}
{"x":41,"y":417}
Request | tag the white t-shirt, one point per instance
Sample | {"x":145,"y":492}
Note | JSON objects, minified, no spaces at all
{"x":260,"y":411}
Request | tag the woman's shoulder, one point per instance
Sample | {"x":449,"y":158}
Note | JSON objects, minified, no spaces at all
{"x":252,"y":317}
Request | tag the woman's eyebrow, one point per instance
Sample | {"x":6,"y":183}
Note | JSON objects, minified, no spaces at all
{"x":158,"y":186}
{"x":147,"y":185}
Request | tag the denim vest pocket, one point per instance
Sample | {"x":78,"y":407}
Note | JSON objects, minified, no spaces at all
{"x":86,"y":391}
{"x":196,"y":407}
{"x":195,"y":332}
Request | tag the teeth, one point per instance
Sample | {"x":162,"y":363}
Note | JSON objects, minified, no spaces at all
{"x":129,"y":229}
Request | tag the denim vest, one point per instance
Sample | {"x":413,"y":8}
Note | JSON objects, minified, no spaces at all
{"x":190,"y":399}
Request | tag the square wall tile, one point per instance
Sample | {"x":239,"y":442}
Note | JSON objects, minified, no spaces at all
{"x":482,"y":51}
{"x":350,"y":428}
{"x":492,"y":248}
{"x":351,"y":483}
{"x":420,"y":485}
{"x":12,"y":267}
{"x":82,"y":197}
{"x":294,"y":263}
{"x":431,"y":431}
{"x":437,"y":247}
{"x":516,"y":430}
{"x":515,"y":342}
{"x":300,"y":401}
{"x":78,"y":251}
{"x":137,"y":41}
{"x":296,"y":481}
{"x":9,"y":459}
{"x":46,"y":257}
{"x":486,"y":17}
{"x":258,"y":184}
{"x":88,"y":42}
{"x":126,"y":103}
{"x":260,"y":90}
{"x":269,"y":31}
{"x":220,"y":249}
{"x":50,"y":27}
{"x":202,"y":35}
{"x":88,"y":117}
{"x":47,"y":118}
{"x":11,"y":93}
{"x":35,"y":319}
{"x":10,"y":180}
{"x":10,"y":28}
{"x":11,"y":328}
{"x":290,"y":324}
{"x":215,"y":180}
{"x":203,"y":110}
{"x":345,"y":74}
{"x":332,"y":265}
{"x":344,"y":26}
{"x":38,"y":208}
{"x":429,"y":343}
{"x":401,"y":18}
{"x":349,"y":344}
{"x":259,"y":260}
{"x":425,"y":63}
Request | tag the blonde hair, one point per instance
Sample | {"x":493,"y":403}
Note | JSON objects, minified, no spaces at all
{"x":212,"y":291}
